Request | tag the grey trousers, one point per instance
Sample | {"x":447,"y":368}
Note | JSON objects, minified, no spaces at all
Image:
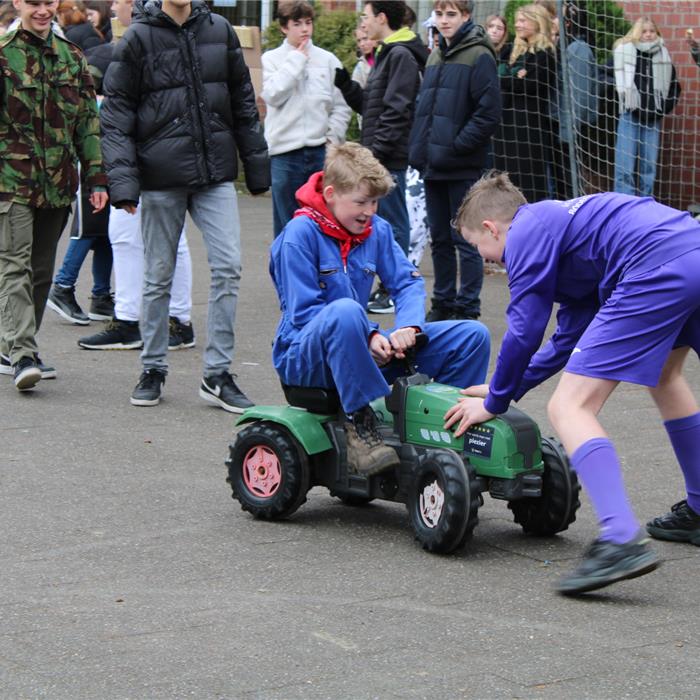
{"x":28,"y":241}
{"x":215,"y":212}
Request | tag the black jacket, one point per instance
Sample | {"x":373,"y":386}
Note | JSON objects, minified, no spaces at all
{"x":458,"y":108}
{"x":387,"y":104}
{"x":83,"y":35}
{"x":178,"y":102}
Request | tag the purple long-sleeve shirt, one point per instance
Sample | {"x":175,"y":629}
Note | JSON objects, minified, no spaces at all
{"x":574,"y":253}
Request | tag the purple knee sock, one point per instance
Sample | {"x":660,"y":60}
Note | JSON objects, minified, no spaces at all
{"x":599,"y":470}
{"x":684,"y":434}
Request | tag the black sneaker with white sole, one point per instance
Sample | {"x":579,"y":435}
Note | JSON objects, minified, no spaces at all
{"x":6,"y":367}
{"x":62,"y":301}
{"x":27,"y":374}
{"x":147,"y":391}
{"x":181,"y":335}
{"x":382,"y":303}
{"x":221,"y":390}
{"x":608,"y":562}
{"x":681,"y":524}
{"x":101,"y":307}
{"x":116,"y":335}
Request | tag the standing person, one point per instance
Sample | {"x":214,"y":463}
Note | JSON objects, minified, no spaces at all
{"x":72,"y":16}
{"x":387,"y":106}
{"x":305,"y":110}
{"x":42,"y":142}
{"x":459,"y":109}
{"x":497,"y":29}
{"x":99,"y":15}
{"x":365,"y":56}
{"x":523,"y":143}
{"x":624,"y":271}
{"x":178,"y":109}
{"x":647,"y":89}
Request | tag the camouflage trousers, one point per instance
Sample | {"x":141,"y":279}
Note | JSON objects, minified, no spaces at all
{"x":28,"y":241}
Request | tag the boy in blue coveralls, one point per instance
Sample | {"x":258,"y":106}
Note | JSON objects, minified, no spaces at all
{"x":626,"y":274}
{"x":323,"y":265}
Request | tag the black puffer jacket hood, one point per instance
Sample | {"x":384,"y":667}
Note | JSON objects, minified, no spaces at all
{"x":178,"y":106}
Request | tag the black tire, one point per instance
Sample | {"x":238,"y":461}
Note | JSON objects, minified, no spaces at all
{"x":443,"y":527}
{"x":354,"y":501}
{"x":556,"y":508}
{"x":264,"y":496}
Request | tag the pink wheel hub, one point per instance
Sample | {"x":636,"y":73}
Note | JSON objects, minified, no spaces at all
{"x":432,"y":500}
{"x":261,"y":471}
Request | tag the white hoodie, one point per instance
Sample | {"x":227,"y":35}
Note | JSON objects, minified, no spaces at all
{"x":304,"y":108}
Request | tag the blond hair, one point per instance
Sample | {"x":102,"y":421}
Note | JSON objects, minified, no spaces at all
{"x":634,"y":35}
{"x":542,"y":39}
{"x":349,"y":166}
{"x":492,"y":198}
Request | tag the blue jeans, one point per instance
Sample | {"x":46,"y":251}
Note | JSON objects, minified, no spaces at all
{"x":289,"y":172}
{"x":637,"y":148}
{"x":393,"y":209}
{"x":215,"y":212}
{"x":442,"y":199}
{"x":78,"y":248}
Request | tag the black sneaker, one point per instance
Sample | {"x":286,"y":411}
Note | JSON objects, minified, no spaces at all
{"x":682,"y":524}
{"x":47,"y":372}
{"x":117,"y":335}
{"x":381,"y":304}
{"x":181,"y":334}
{"x":606,"y":562}
{"x":101,"y":307}
{"x":147,"y":391}
{"x":62,"y":301}
{"x":27,"y":374}
{"x":439,"y":313}
{"x":222,"y":391}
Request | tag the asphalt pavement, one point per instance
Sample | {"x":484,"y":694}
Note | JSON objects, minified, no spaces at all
{"x":127,"y":571}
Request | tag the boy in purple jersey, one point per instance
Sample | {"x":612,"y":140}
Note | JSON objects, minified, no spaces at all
{"x":626,"y":274}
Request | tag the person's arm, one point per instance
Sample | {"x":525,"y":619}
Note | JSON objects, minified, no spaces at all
{"x":397,"y":103}
{"x":486,"y":95}
{"x":674,"y":92}
{"x":280,"y":79}
{"x":121,"y":88}
{"x":247,"y":130}
{"x":351,"y":90}
{"x":539,"y":75}
{"x":339,"y":118}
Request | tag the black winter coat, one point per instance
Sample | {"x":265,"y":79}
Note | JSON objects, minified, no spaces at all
{"x":178,"y":101}
{"x":387,"y":104}
{"x":83,"y":35}
{"x":458,"y":108}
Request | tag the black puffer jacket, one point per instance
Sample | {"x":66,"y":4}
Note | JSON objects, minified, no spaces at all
{"x":387,"y":103}
{"x":178,"y":101}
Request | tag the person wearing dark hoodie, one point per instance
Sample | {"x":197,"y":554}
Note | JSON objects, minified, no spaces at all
{"x":322,"y":265}
{"x":457,"y":113}
{"x":387,"y":106}
{"x":178,"y":110}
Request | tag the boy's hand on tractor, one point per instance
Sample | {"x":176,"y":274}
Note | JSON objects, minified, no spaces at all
{"x":468,"y":411}
{"x":380,"y":349}
{"x":401,"y":340}
{"x":480,"y":390}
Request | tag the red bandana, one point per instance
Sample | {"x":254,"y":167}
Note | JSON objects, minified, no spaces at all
{"x":313,"y":205}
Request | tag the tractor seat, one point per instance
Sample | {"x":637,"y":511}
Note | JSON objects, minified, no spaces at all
{"x":313,"y":399}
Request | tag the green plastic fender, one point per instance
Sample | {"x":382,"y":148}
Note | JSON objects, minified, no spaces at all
{"x":306,"y":427}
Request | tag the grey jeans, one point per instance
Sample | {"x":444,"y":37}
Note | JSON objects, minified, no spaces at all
{"x":215,"y":212}
{"x":28,"y":241}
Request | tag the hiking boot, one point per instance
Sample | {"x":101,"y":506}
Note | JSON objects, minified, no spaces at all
{"x":382,"y":303}
{"x":440,"y":313}
{"x":181,"y":334}
{"x":221,"y":390}
{"x":147,"y":391}
{"x":607,"y":562}
{"x":62,"y":301}
{"x":27,"y":374}
{"x":116,"y":335}
{"x":366,"y":452}
{"x":101,"y":307}
{"x":682,"y":524}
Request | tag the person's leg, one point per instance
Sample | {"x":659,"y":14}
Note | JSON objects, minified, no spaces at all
{"x":127,"y":251}
{"x":471,"y":264}
{"x":77,"y":251}
{"x":649,"y":137}
{"x":181,"y":293}
{"x":442,"y":249}
{"x":288,"y":175}
{"x":101,"y":266}
{"x":162,"y":219}
{"x":626,"y":154}
{"x":393,"y":209}
{"x":417,"y":216}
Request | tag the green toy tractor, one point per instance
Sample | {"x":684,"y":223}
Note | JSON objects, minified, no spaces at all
{"x":282,"y":451}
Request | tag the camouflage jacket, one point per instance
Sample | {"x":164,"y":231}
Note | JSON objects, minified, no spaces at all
{"x":48,"y":121}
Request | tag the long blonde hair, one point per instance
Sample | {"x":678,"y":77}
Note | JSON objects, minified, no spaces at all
{"x":634,"y":35}
{"x":542,"y":39}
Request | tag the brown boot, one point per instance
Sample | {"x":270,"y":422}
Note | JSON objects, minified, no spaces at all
{"x":367,"y":453}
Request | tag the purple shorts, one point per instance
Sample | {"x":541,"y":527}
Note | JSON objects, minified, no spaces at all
{"x":646,"y":317}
